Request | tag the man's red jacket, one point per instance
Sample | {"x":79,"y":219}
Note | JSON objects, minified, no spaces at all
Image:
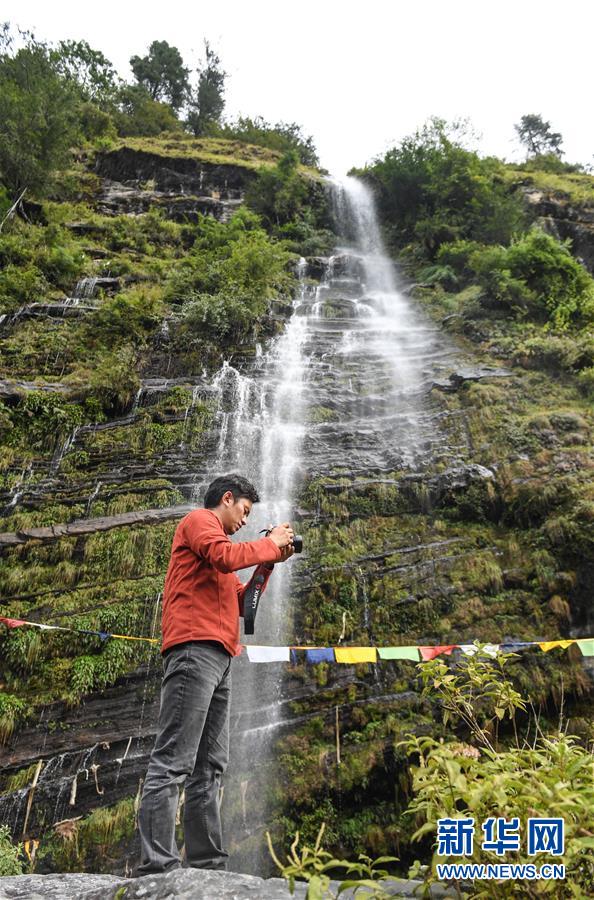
{"x":203,"y":598}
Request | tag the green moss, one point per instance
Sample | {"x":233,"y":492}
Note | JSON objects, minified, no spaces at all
{"x":20,"y":779}
{"x":94,"y":843}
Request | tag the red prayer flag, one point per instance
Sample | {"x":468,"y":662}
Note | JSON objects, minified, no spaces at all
{"x":432,"y":652}
{"x":12,"y":623}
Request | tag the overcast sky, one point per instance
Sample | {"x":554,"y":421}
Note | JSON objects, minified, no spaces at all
{"x":360,"y":76}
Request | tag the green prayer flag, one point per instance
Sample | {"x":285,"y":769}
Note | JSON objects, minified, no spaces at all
{"x":399,"y":653}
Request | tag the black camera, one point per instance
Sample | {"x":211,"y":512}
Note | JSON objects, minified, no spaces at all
{"x":296,"y":543}
{"x":251,"y":598}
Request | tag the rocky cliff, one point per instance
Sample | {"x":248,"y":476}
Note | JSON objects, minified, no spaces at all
{"x":565,"y":219}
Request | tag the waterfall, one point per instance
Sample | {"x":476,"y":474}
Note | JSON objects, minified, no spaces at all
{"x":261,"y":421}
{"x":393,"y":349}
{"x":341,"y":391}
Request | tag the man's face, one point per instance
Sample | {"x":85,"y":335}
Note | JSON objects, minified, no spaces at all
{"x":235,"y":512}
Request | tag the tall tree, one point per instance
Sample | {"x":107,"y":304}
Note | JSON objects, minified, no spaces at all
{"x":38,"y":115}
{"x":207,"y":101}
{"x":92,"y":72}
{"x":536,"y":135}
{"x":162,"y":73}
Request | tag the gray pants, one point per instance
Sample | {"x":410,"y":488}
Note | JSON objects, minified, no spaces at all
{"x":192,"y":745}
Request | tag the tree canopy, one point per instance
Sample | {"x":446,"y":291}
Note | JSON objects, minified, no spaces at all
{"x":89,"y":69}
{"x":536,"y":136}
{"x":38,"y":114}
{"x":162,"y":73}
{"x":207,"y":100}
{"x":56,"y":96}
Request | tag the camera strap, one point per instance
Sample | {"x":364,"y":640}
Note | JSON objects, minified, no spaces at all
{"x":251,"y":598}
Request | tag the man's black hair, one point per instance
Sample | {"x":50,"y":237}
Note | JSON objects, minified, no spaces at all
{"x":237,"y":484}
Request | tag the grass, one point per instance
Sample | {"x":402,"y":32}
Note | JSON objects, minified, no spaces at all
{"x":216,"y":151}
{"x":576,"y":187}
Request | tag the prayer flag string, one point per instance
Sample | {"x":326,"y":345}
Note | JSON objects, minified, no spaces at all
{"x":343,"y":654}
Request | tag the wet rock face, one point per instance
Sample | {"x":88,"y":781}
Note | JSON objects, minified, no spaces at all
{"x":117,"y":199}
{"x":179,"y":175}
{"x":463,"y":376}
{"x":135,"y":181}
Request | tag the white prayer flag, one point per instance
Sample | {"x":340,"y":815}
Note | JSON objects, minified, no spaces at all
{"x":471,"y":649}
{"x":267,"y":654}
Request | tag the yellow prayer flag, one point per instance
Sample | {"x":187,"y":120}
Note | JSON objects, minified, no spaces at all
{"x":548,"y":645}
{"x":355,"y":654}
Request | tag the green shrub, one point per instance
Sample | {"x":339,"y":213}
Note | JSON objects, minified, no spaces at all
{"x":129,"y":316}
{"x":112,"y":381}
{"x":10,"y":854}
{"x":96,"y":123}
{"x":546,"y":777}
{"x":561,"y":286}
{"x":282,"y":136}
{"x":19,"y":286}
{"x":139,"y":114}
{"x":5,"y":202}
{"x":432,"y":190}
{"x":586,"y":382}
{"x":33,"y":260}
{"x":548,"y":351}
{"x":144,"y":233}
{"x":42,"y":419}
{"x":12,"y":709}
{"x":549,"y":162}
{"x":535,"y":275}
{"x":223,"y":316}
{"x":229,"y":277}
{"x":92,"y":843}
{"x":279,"y":193}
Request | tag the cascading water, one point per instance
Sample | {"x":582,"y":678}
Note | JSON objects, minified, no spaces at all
{"x":261,"y":423}
{"x":341,"y":391}
{"x":393,"y":349}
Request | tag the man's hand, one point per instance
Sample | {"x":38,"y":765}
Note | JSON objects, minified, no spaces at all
{"x":286,"y":552}
{"x":282,"y":535}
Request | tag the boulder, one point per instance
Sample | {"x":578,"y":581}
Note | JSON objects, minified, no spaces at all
{"x":462,"y":376}
{"x":183,"y":884}
{"x":192,"y":884}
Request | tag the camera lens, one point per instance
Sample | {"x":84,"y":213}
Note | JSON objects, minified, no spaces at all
{"x":297,"y":543}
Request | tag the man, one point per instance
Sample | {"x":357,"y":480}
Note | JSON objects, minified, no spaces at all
{"x":202,"y":602}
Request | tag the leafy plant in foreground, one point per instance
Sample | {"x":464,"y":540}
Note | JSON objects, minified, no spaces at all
{"x":315,"y":866}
